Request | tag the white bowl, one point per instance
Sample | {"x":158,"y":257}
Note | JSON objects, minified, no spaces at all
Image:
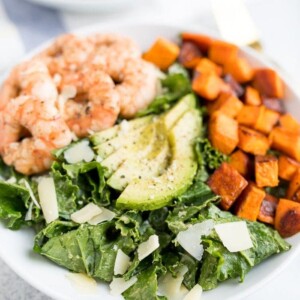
{"x":16,"y":247}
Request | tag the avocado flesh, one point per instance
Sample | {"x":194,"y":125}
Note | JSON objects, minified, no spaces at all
{"x":154,"y":193}
{"x":137,"y":149}
{"x":116,"y":131}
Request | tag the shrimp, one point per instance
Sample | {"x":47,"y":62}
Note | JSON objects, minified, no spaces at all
{"x":100,"y":109}
{"x":31,"y":154}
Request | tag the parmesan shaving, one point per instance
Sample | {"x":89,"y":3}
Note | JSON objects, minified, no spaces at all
{"x":147,"y":247}
{"x":28,"y":187}
{"x":119,"y":285}
{"x":79,"y":152}
{"x":105,"y":215}
{"x":122,"y":263}
{"x":86,"y":213}
{"x":195,"y":293}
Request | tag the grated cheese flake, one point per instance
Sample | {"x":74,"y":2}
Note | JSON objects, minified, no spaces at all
{"x":86,"y":213}
{"x":147,"y":247}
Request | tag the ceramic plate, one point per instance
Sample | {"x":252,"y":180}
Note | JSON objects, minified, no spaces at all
{"x":16,"y":247}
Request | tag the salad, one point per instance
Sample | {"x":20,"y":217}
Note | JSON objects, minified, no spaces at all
{"x":195,"y":187}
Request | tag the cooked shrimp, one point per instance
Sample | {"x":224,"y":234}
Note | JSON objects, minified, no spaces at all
{"x":30,"y":155}
{"x":101,"y":108}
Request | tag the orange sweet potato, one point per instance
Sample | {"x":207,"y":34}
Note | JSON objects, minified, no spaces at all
{"x":268,"y":83}
{"x":189,"y":55}
{"x":227,"y":103}
{"x":286,"y":141}
{"x":228,"y":183}
{"x":241,"y":162}
{"x":202,"y":41}
{"x":252,"y":141}
{"x":249,"y":202}
{"x":240,"y":69}
{"x":268,"y":209}
{"x":252,"y":96}
{"x":266,"y":170}
{"x":288,"y":122}
{"x":162,"y":53}
{"x":248,"y":115}
{"x":205,"y":65}
{"x":207,"y":85}
{"x":222,"y":52}
{"x":287,"y":167}
{"x":223,"y":132}
{"x":294,"y":186}
{"x":266,"y":119}
{"x":287,"y":218}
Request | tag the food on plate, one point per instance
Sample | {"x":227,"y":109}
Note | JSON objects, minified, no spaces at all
{"x":162,"y":173}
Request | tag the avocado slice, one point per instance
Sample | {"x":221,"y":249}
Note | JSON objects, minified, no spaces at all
{"x":136,"y":148}
{"x":154,"y":193}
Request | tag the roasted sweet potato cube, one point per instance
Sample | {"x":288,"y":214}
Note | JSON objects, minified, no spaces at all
{"x":241,"y":162}
{"x":223,"y":132}
{"x":249,"y":202}
{"x":248,"y":115}
{"x":252,"y":96}
{"x":227,"y":103}
{"x":266,"y":170}
{"x":294,"y":187}
{"x":288,"y":122}
{"x":228,"y":183}
{"x":236,"y":88}
{"x":240,"y":69}
{"x":287,"y":217}
{"x":268,"y":209}
{"x":189,"y":55}
{"x":273,"y":104}
{"x":207,"y":86}
{"x":252,"y":141}
{"x":205,"y":66}
{"x":201,"y":40}
{"x":266,"y":120}
{"x":162,"y":53}
{"x":286,"y":141}
{"x":268,"y":83}
{"x":222,"y":52}
{"x":287,"y":167}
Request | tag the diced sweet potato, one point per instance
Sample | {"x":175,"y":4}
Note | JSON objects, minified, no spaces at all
{"x":273,"y":104}
{"x":252,"y":141}
{"x":287,"y":167}
{"x":249,"y":202}
{"x":287,"y":218}
{"x":228,"y":183}
{"x":266,"y":120}
{"x":266,"y":170}
{"x":268,"y":83}
{"x":201,"y":40}
{"x":248,"y":115}
{"x":162,"y":53}
{"x":286,"y":141}
{"x":223,"y":132}
{"x":222,"y":52}
{"x":227,"y":103}
{"x":205,"y":66}
{"x":288,"y":122}
{"x":189,"y":55}
{"x":241,"y":162}
{"x":240,"y":69}
{"x":268,"y":209}
{"x":252,"y":96}
{"x":294,"y":186}
{"x":207,"y":86}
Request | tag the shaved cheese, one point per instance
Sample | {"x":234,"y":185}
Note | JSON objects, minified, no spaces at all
{"x":28,"y":187}
{"x":146,"y":248}
{"x":48,"y":200}
{"x":190,"y":239}
{"x":122,"y":263}
{"x":83,"y":283}
{"x":195,"y":293}
{"x":10,"y":180}
{"x":172,"y":287}
{"x":28,"y":216}
{"x":79,"y":152}
{"x":119,"y":285}
{"x":234,"y":236}
{"x":105,"y":215}
{"x":86,"y":213}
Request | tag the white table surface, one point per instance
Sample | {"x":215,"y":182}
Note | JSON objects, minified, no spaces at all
{"x":279,"y":25}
